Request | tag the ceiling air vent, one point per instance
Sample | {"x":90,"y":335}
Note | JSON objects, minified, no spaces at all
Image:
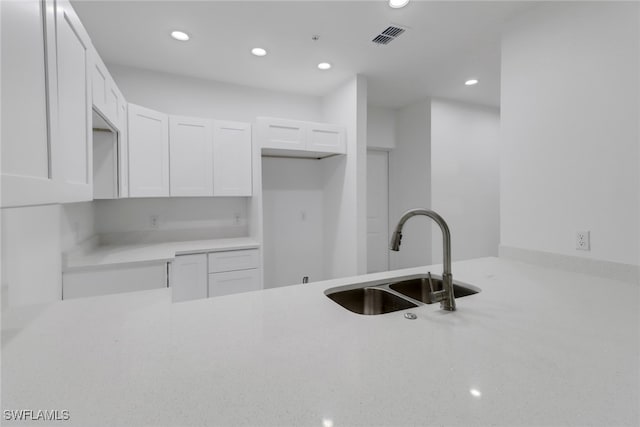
{"x":388,"y":35}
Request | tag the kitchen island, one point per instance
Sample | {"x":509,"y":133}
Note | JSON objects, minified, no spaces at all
{"x":536,"y":347}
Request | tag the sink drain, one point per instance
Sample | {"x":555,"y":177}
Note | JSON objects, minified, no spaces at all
{"x":410,"y":316}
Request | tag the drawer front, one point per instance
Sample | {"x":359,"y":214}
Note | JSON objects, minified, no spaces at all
{"x":233,"y":260}
{"x":233,"y":282}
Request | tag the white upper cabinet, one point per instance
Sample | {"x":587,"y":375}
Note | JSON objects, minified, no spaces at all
{"x":107,"y":98}
{"x":283,"y":134}
{"x":326,"y":138}
{"x":46,"y":132}
{"x":74,"y":106}
{"x":232,"y":159}
{"x":99,"y":83}
{"x":191,"y":154}
{"x":148,"y":141}
{"x":27,"y":117}
{"x":282,"y":137}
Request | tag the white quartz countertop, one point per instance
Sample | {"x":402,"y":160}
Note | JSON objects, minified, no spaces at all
{"x":110,"y":255}
{"x":536,"y":347}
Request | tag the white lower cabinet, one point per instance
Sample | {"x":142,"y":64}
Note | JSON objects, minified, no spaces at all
{"x":233,"y":282}
{"x":112,"y":280}
{"x":215,"y":274}
{"x":189,"y":277}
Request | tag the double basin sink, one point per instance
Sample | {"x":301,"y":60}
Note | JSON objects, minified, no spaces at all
{"x":393,"y":294}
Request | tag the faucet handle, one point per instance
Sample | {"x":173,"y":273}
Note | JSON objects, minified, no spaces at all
{"x":430,"y":282}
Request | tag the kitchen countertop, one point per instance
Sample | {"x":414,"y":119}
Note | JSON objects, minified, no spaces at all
{"x":536,"y":347}
{"x":110,"y":255}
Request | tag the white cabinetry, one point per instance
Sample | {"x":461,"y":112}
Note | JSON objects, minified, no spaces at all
{"x":215,"y":274}
{"x":282,"y":134}
{"x":233,"y":282}
{"x":74,"y":105}
{"x":191,"y":154}
{"x":148,"y":138}
{"x":232,"y":159}
{"x":281,"y":137}
{"x":107,"y":98}
{"x":189,"y":277}
{"x":27,"y":117}
{"x":112,"y":280}
{"x":326,"y":138}
{"x":233,"y":272}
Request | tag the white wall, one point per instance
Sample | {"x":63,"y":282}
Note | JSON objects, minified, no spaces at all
{"x":77,"y":224}
{"x":179,"y":218}
{"x":293,"y":191}
{"x":173,"y":94}
{"x":569,"y":136}
{"x":345,"y":205}
{"x":465,"y":181}
{"x":409,"y":184}
{"x":381,"y":128}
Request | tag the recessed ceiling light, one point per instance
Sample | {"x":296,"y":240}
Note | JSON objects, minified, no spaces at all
{"x":258,"y":51}
{"x":180,"y":35}
{"x":324,"y":65}
{"x":397,"y":4}
{"x":471,"y":82}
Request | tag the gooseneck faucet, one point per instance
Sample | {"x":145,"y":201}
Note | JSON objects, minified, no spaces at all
{"x":445,"y":296}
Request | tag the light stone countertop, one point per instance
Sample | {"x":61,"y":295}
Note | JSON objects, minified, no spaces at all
{"x":111,"y":255}
{"x":537,"y":347}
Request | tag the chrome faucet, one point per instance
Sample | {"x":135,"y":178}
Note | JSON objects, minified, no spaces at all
{"x":445,"y":296}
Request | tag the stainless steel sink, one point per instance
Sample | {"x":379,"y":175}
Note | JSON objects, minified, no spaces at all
{"x":370,"y":301}
{"x":419,"y":288}
{"x":386,"y":296}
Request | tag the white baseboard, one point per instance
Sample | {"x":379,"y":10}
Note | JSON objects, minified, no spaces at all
{"x":592,"y":267}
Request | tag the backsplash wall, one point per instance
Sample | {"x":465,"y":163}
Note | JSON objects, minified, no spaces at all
{"x":188,"y":218}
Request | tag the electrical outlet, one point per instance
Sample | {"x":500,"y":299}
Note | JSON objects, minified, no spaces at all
{"x":236,"y":217}
{"x":154,"y":221}
{"x":583,"y":240}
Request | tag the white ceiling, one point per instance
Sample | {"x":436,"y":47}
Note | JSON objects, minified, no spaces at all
{"x":447,"y":42}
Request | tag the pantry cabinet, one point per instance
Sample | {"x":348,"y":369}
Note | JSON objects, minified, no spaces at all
{"x":191,"y":156}
{"x":148,"y":143}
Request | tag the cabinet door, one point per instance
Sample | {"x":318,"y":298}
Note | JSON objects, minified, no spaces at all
{"x":74,"y":106}
{"x":282,"y":134}
{"x":99,"y":78}
{"x":27,"y":74}
{"x":231,"y":159}
{"x":233,"y":282}
{"x":189,"y":277}
{"x":191,"y":156}
{"x":326,"y":138}
{"x":148,"y":152}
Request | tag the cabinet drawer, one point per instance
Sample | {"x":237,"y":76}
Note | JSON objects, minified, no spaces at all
{"x":233,"y":282}
{"x":233,"y":260}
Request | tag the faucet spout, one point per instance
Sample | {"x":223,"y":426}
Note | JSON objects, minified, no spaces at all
{"x":448,"y":302}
